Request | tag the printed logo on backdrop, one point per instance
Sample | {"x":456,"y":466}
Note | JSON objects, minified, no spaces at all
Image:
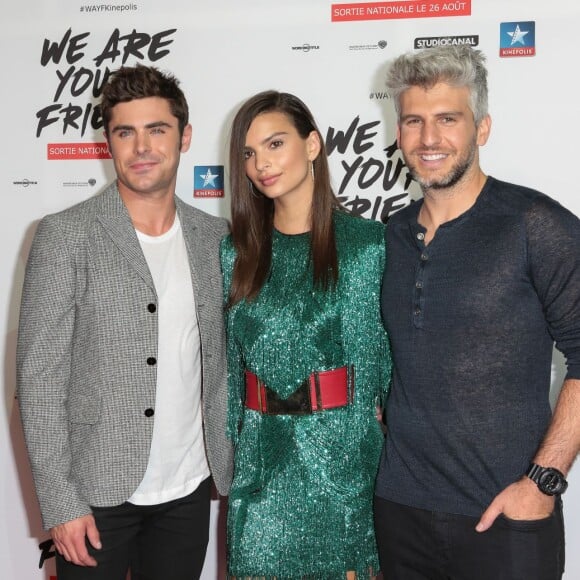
{"x":372,"y":179}
{"x":434,"y":41}
{"x":86,"y":183}
{"x":397,"y":9}
{"x":25,"y":182}
{"x":380,"y":45}
{"x":81,"y":68}
{"x":517,"y":39}
{"x":306,"y":47}
{"x":208,"y":181}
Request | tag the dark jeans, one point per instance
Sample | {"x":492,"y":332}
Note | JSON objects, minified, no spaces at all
{"x":160,"y":542}
{"x":416,"y":544}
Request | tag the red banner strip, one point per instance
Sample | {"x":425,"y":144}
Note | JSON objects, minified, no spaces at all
{"x":399,"y":9}
{"x":56,"y":151}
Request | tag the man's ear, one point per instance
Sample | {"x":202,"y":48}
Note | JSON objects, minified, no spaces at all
{"x":483,"y":130}
{"x":107,"y":142}
{"x":186,"y":138}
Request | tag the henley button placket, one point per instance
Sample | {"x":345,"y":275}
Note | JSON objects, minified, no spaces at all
{"x":417,"y":291}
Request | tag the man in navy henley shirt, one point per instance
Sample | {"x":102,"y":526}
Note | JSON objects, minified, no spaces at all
{"x":482,"y":278}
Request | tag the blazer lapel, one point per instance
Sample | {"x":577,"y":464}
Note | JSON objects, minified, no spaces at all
{"x":116,"y":221}
{"x":193,"y":242}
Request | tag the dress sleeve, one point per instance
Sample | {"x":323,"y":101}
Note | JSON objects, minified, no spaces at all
{"x":365,"y":334}
{"x":554,"y":263}
{"x":233,"y":349}
{"x":385,"y":365}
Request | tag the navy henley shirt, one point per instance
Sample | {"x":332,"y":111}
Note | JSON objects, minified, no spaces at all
{"x":472,"y":319}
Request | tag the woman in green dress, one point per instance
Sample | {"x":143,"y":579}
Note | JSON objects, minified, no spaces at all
{"x":308,"y":356}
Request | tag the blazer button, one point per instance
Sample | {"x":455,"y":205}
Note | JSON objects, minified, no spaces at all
{"x":149,"y":412}
{"x":151,"y":361}
{"x":151,"y":307}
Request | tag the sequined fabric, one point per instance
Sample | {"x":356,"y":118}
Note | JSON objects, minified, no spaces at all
{"x":301,"y":501}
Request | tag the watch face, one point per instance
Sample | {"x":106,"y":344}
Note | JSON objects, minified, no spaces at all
{"x":551,"y":482}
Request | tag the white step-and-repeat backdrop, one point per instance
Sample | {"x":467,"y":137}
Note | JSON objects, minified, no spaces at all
{"x":56,"y":56}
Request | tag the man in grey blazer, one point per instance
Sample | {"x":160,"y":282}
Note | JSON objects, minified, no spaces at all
{"x":120,"y":361}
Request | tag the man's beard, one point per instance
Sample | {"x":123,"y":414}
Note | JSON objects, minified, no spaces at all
{"x":454,"y":176}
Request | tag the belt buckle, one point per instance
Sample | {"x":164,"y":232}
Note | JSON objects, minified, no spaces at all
{"x":298,"y":403}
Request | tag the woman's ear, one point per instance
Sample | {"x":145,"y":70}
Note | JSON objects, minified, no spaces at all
{"x":313,"y":145}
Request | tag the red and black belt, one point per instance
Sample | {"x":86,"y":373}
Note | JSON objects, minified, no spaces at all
{"x":320,"y":391}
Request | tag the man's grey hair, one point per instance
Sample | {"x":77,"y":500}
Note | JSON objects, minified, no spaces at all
{"x":459,"y":66}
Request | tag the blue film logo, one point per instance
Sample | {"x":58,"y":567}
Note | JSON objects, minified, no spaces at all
{"x":208,"y":181}
{"x":517,"y":39}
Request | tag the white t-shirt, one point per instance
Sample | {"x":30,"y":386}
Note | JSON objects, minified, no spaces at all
{"x":177,"y":460}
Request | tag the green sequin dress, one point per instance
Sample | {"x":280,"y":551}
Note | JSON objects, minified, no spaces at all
{"x":300,"y":505}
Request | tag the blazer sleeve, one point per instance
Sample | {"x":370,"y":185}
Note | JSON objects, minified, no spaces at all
{"x":43,"y":361}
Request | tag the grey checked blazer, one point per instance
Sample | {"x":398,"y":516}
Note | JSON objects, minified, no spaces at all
{"x":86,"y":333}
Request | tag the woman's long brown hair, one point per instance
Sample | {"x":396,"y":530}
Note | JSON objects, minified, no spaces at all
{"x":253,"y":213}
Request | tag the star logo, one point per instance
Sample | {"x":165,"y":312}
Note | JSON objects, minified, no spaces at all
{"x":209,"y":178}
{"x":208,"y":181}
{"x":518,"y":35}
{"x":517,"y":39}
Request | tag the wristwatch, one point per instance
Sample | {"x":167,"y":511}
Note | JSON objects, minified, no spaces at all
{"x":549,"y":480}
